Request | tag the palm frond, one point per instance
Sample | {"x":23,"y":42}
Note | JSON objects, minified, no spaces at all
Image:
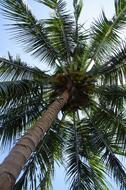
{"x":77,"y":11}
{"x":81,"y":160}
{"x":28,"y":30}
{"x":10,"y":90}
{"x":49,"y":3}
{"x":15,"y":69}
{"x":113,"y":71}
{"x":114,"y":97}
{"x":105,"y":33}
{"x":61,"y":31}
{"x":78,"y":5}
{"x":117,"y":170}
{"x":80,"y":52}
{"x":18,"y":116}
{"x":113,"y":121}
{"x":21,"y":103}
{"x":103,"y":141}
{"x":119,"y":5}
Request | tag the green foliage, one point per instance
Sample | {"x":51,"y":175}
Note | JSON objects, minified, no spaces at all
{"x":105,"y":33}
{"x":60,"y":31}
{"x":28,"y":30}
{"x":15,"y":69}
{"x":107,"y":145}
{"x":91,"y":135}
{"x":78,"y":5}
{"x":84,"y":168}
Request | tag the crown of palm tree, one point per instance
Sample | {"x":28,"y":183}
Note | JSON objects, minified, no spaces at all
{"x":91,"y":65}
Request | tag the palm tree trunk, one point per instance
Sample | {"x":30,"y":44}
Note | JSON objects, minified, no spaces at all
{"x":14,"y":162}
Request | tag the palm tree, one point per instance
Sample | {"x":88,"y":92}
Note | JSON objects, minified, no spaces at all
{"x":87,"y":87}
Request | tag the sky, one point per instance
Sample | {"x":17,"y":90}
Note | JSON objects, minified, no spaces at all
{"x":91,"y":11}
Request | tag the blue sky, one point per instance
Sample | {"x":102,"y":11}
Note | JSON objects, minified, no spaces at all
{"x":92,"y":9}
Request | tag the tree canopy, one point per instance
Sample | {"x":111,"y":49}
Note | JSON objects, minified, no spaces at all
{"x":89,"y":134}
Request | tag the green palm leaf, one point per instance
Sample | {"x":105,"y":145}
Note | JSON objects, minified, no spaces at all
{"x":49,"y":3}
{"x":81,"y":166}
{"x":9,"y":90}
{"x":15,"y":69}
{"x":113,"y":70}
{"x":112,"y":96}
{"x":103,"y":142}
{"x":21,"y":98}
{"x":18,"y":116}
{"x":61,"y":31}
{"x":105,"y":35}
{"x":28,"y":30}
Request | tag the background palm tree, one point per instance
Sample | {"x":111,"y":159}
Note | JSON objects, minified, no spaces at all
{"x":90,"y":132}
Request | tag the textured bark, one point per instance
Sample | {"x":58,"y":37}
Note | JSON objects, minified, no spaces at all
{"x":14,"y":162}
